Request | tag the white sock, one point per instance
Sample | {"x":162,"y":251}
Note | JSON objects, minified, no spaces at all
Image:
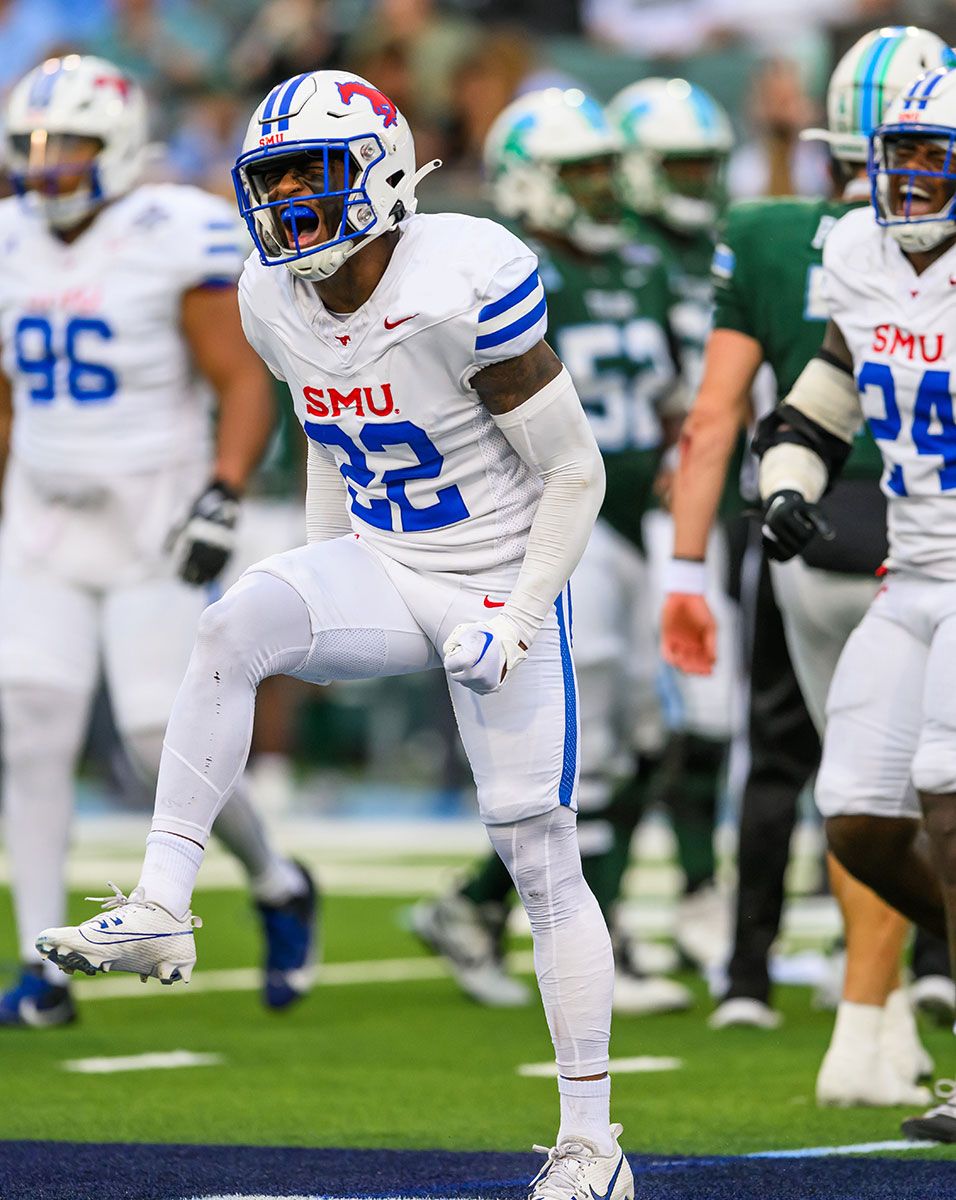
{"x":169,"y":871}
{"x":586,"y":1112}
{"x":279,"y":882}
{"x":857,"y":1027}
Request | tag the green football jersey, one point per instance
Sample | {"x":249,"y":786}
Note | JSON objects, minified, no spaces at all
{"x":687,"y":258}
{"x":608,"y":323}
{"x":768,"y":274}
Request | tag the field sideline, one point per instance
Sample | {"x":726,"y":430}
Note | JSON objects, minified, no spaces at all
{"x":387,"y":1055}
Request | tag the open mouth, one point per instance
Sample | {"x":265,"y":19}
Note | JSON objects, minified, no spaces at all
{"x":914,"y":200}
{"x":301,"y":226}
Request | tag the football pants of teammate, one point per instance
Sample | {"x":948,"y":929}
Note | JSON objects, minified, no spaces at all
{"x":338,"y":610}
{"x":45,"y":696}
{"x":874,"y":1056}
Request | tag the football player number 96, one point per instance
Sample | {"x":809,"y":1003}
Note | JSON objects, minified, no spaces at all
{"x":34,"y":344}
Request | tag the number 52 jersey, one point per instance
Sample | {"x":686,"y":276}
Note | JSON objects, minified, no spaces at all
{"x":900,"y":328}
{"x":428,"y":478}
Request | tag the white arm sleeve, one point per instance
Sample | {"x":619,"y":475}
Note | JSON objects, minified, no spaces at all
{"x":326,"y":516}
{"x":551,"y":433}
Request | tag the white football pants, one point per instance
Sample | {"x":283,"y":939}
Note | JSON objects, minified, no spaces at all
{"x":891,"y":712}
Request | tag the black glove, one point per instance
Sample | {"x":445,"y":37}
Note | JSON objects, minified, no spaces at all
{"x":789,"y":522}
{"x":202,"y":544}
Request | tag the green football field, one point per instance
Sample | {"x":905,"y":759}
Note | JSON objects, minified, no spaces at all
{"x":387,"y":1053}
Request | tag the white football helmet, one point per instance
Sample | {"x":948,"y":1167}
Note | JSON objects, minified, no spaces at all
{"x":338,"y":126}
{"x":868,"y":78}
{"x":78,"y":96}
{"x":923,"y":112}
{"x":529,"y":143}
{"x":663,"y":121}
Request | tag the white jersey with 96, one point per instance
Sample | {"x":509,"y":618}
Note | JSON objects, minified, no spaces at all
{"x":103,"y":383}
{"x":429,"y":479}
{"x":900,"y":328}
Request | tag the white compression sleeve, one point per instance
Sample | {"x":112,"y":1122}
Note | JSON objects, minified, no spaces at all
{"x":325,"y":512}
{"x":551,"y":434}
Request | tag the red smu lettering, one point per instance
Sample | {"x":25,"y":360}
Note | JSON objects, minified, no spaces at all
{"x":927,"y":347}
{"x":362,"y":400}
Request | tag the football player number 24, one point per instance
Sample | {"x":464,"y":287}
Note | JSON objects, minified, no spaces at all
{"x":449,"y":506}
{"x":36,"y":342}
{"x":933,"y":431}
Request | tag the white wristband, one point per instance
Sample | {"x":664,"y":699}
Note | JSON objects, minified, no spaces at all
{"x":685,"y":575}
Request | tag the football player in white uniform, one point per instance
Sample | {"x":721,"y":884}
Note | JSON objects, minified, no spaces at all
{"x":453,"y":483}
{"x":119,"y":327}
{"x":890,"y":746}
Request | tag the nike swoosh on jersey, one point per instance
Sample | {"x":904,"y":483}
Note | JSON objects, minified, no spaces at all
{"x":401,"y":321}
{"x":610,"y":1186}
{"x":489,"y":603}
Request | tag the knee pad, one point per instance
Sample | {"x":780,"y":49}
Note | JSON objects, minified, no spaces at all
{"x":41,"y":723}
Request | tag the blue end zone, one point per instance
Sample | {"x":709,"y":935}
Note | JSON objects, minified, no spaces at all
{"x":84,"y":1171}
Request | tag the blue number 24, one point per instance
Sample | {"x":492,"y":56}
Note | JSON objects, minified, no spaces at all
{"x":86,"y":382}
{"x":933,"y":404}
{"x":449,"y":507}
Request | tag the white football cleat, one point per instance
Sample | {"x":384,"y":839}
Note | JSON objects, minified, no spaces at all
{"x":704,"y":927}
{"x":575,"y":1171}
{"x":646,"y":995}
{"x":743,"y":1012}
{"x":134,"y":935}
{"x":467,"y":939}
{"x":935,"y":995}
{"x":864,"y":1078}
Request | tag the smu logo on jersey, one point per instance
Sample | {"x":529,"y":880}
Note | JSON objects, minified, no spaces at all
{"x":379,"y":101}
{"x":922,"y":347}
{"x":362,"y":401}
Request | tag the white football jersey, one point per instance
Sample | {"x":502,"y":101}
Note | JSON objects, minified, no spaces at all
{"x":430,"y":479}
{"x":900,"y":328}
{"x":91,"y":339}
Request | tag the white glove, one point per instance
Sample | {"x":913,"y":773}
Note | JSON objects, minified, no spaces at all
{"x":481,"y":654}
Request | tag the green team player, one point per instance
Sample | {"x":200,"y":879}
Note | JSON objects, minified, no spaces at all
{"x":767,"y":273}
{"x":671,"y":177}
{"x":551,"y":157}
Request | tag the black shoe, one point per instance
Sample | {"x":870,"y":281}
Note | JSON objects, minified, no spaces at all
{"x":939,"y":1124}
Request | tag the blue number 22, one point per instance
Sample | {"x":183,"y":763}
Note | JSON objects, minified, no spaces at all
{"x":449,"y":507}
{"x":87,"y":382}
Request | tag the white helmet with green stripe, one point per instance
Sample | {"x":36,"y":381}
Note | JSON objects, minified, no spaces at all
{"x":868,"y":78}
{"x":677,"y":139}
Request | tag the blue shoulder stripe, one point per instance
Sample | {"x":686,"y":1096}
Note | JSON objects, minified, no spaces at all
{"x":223,"y":250}
{"x":487,"y":340}
{"x":497,"y":307}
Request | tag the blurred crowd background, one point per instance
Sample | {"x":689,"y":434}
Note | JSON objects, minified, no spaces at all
{"x":451,"y":66}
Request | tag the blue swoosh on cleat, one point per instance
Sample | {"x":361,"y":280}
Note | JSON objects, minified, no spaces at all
{"x":610,"y":1186}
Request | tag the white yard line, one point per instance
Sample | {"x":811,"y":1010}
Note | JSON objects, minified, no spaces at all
{"x":829,"y":1151}
{"x":249,"y":979}
{"x":617,"y":1066}
{"x":166,"y":1061}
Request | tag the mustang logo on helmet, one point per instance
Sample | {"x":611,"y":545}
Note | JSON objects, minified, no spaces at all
{"x":379,"y":101}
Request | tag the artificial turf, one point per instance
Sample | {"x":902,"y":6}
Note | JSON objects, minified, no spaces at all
{"x":405,"y":1065}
